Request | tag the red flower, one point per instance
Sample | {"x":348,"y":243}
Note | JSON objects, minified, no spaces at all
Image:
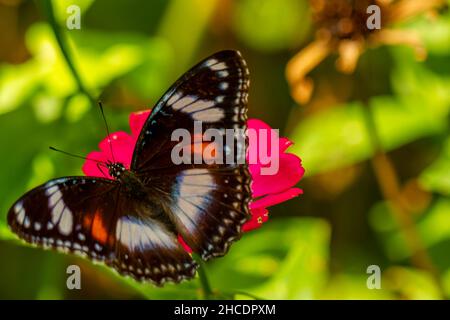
{"x":267,"y":190}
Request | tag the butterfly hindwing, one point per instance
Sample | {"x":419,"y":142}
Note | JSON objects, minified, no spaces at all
{"x":147,"y":247}
{"x":209,"y":207}
{"x":207,"y":202}
{"x":92,"y":217}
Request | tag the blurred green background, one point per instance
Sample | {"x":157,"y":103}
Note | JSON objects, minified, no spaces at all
{"x":317,"y":246}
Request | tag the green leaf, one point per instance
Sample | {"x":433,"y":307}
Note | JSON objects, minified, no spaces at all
{"x":184,"y":290}
{"x":433,"y":228}
{"x":332,"y":139}
{"x":285,"y":259}
{"x":270,"y":25}
{"x":434,"y":32}
{"x":410,"y":283}
{"x":437,"y":176}
{"x":60,"y":8}
{"x":353,"y":286}
{"x":5,"y":233}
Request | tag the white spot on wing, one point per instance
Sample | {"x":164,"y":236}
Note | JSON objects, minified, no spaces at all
{"x":26,"y":222}
{"x":219,"y":66}
{"x":210,"y":62}
{"x":195,"y":185}
{"x":21,"y":217}
{"x":20,"y":212}
{"x":54,"y":195}
{"x":51,"y":190}
{"x":198,"y":106}
{"x":57,"y":212}
{"x":136,"y":234}
{"x":210,"y":115}
{"x":223,"y":74}
{"x":183,"y":102}
{"x":66,"y":222}
{"x":18,"y":207}
{"x":174,"y":98}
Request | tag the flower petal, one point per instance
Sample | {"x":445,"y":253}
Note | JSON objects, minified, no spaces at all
{"x":290,"y":172}
{"x":137,"y":121}
{"x":259,"y":216}
{"x":93,"y":168}
{"x":122,"y":145}
{"x":184,"y":244}
{"x":263,"y":137}
{"x":273,"y":199}
{"x":284,"y":144}
{"x":258,"y":208}
{"x":257,"y":124}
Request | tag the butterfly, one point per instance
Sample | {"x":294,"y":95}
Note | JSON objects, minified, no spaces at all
{"x":131,"y":222}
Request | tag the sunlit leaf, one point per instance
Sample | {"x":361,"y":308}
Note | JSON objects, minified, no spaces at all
{"x":437,"y":176}
{"x":5,"y":232}
{"x":77,"y":106}
{"x":353,"y":286}
{"x":409,"y":283}
{"x":61,"y":8}
{"x":271,"y":24}
{"x":434,"y":32}
{"x":286,"y":259}
{"x":183,"y":25}
{"x":433,"y":229}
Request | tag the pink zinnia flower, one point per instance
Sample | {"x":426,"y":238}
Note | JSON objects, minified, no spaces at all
{"x":267,"y":190}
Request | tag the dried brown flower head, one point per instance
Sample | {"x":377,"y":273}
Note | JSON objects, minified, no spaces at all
{"x":341,"y":27}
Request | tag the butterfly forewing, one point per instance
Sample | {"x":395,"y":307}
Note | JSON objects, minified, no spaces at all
{"x":214,"y":92}
{"x":68,"y":213}
{"x":93,"y":218}
{"x":207,"y":202}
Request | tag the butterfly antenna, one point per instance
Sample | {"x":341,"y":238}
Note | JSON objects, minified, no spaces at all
{"x":107,"y":129}
{"x":76,"y":156}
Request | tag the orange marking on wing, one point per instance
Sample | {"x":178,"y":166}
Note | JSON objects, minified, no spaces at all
{"x":212,"y":151}
{"x":199,"y":147}
{"x":98,"y":229}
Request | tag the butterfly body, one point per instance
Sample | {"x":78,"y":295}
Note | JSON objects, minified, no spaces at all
{"x":130,"y":183}
{"x":115,"y":169}
{"x":131,"y":219}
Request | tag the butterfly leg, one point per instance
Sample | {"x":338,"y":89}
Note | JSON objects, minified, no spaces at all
{"x":99,"y":168}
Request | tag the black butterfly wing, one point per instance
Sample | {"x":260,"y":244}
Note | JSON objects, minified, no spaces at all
{"x":93,"y":218}
{"x":207,"y":203}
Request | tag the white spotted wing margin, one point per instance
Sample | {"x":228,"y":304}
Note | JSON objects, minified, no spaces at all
{"x":91,"y":217}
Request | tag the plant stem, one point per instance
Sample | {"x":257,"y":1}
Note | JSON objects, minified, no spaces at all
{"x":203,"y":277}
{"x":250,"y":295}
{"x":64,"y":46}
{"x":390,"y":187}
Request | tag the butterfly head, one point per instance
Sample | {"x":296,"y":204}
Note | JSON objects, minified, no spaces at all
{"x":115,"y":169}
